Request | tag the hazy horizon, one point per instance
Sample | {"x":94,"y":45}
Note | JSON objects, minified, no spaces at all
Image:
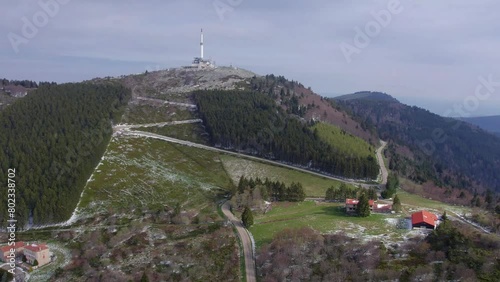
{"x":431,"y":55}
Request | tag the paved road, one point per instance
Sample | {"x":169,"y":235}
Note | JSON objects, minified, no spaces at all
{"x":192,"y":106}
{"x":381,"y":163}
{"x":245,"y":241}
{"x":196,"y":145}
{"x":242,"y":232}
{"x":121,"y":127}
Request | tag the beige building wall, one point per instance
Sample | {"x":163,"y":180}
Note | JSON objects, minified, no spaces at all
{"x":42,"y":256}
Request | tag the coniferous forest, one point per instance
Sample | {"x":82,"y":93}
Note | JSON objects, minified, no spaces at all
{"x":272,"y":190}
{"x":54,"y":138}
{"x":448,"y":151}
{"x":252,"y":123}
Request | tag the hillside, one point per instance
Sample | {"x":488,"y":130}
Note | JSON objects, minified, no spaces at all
{"x":178,"y":83}
{"x":488,"y":123}
{"x":342,"y":140}
{"x":367,"y":95}
{"x":298,"y":100}
{"x":11,"y":90}
{"x":424,"y":146}
{"x":150,"y":209}
{"x":150,"y":90}
{"x":251,"y":122}
{"x":292,"y":96}
{"x":54,"y":138}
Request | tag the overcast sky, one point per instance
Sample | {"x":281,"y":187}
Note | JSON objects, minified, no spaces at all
{"x":429,"y":53}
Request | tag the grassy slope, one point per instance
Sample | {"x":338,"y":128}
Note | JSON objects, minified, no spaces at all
{"x":190,"y":132}
{"x":139,"y":174}
{"x":143,"y":113}
{"x":314,"y":186}
{"x":343,"y":141}
{"x":324,"y":217}
{"x":330,"y":217}
{"x":147,"y":113}
{"x":147,"y":173}
{"x":413,"y":202}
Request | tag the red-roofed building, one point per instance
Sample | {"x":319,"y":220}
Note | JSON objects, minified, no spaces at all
{"x":352,"y":204}
{"x":382,"y":208}
{"x":424,"y":219}
{"x":18,"y":248}
{"x":39,"y":253}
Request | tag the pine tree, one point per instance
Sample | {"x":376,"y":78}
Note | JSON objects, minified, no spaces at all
{"x":396,"y":204}
{"x":177,"y":209}
{"x":478,"y":202}
{"x":343,"y":190}
{"x":363,"y":209}
{"x":247,"y":217}
{"x":391,"y":186}
{"x":372,"y":194}
{"x":330,"y":194}
{"x":241,"y":184}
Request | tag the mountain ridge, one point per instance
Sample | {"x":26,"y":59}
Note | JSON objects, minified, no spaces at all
{"x":488,"y":123}
{"x":178,"y":83}
{"x":425,"y":146}
{"x":367,"y":95}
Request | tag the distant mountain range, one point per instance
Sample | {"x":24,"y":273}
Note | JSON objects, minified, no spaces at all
{"x":367,"y":95}
{"x":424,"y":146}
{"x":488,"y":123}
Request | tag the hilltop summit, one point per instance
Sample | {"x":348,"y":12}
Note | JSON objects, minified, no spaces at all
{"x":185,"y":80}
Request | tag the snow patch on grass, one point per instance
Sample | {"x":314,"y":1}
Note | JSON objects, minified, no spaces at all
{"x":144,"y":173}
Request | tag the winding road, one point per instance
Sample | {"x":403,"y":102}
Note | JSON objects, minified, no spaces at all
{"x":125,"y":130}
{"x":381,"y":163}
{"x":122,"y":127}
{"x":243,"y":233}
{"x":246,"y":242}
{"x":192,"y":106}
